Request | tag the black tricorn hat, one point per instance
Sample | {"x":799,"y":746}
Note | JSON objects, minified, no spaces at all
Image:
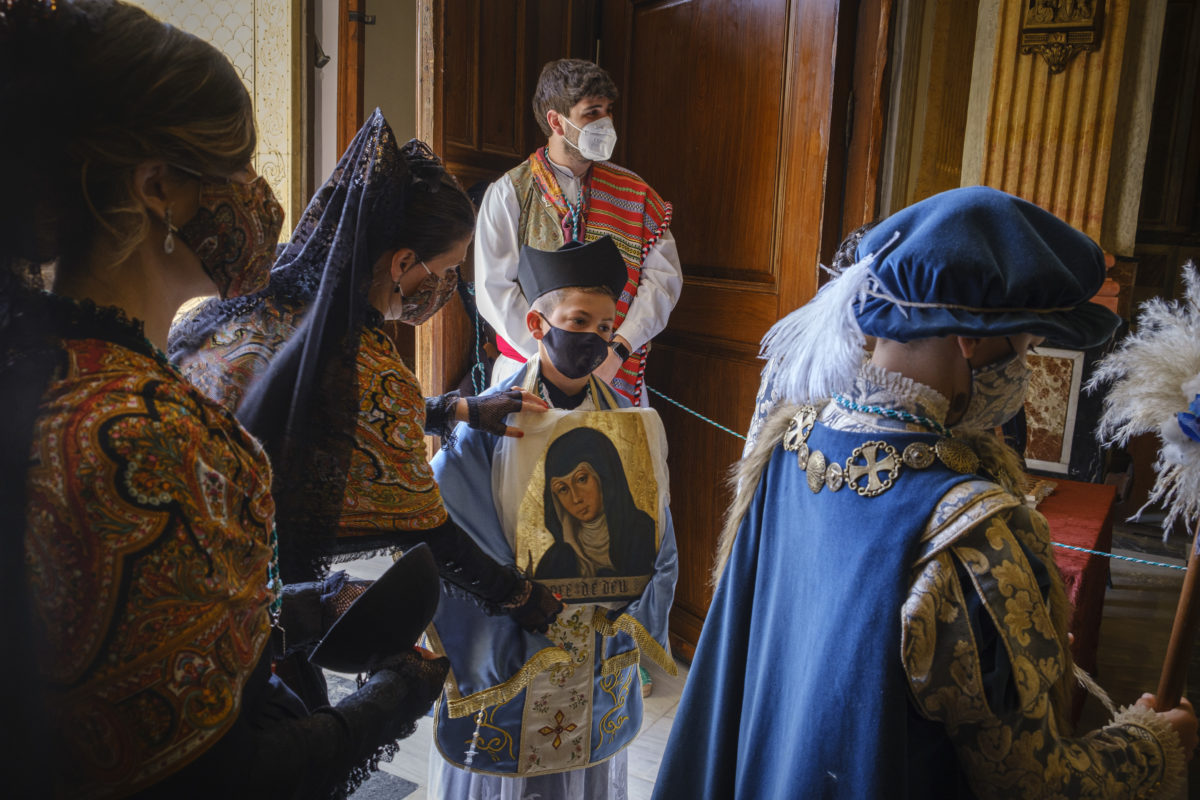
{"x":597,"y":263}
{"x":386,"y":619}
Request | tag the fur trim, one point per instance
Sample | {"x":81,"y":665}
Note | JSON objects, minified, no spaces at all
{"x":1173,"y":782}
{"x":997,"y":460}
{"x":817,"y":349}
{"x":744,"y":477}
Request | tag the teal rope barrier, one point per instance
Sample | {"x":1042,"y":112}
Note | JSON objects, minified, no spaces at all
{"x":1121,"y":558}
{"x":694,"y":413}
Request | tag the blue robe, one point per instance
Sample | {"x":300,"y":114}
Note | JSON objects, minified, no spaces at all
{"x":487,"y":652}
{"x":797,"y":689}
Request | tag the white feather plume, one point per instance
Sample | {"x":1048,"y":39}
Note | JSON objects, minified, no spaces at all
{"x":1151,"y":377}
{"x":816,"y":351}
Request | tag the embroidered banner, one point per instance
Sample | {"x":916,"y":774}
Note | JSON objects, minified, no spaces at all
{"x":587,"y":524}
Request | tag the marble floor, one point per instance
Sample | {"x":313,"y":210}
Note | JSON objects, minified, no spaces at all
{"x":1139,"y":608}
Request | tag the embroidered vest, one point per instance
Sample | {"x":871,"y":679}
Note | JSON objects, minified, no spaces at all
{"x":618,"y":204}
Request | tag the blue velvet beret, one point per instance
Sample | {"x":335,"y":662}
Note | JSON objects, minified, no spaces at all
{"x":978,"y":262}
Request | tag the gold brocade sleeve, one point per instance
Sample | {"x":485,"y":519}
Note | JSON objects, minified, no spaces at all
{"x":1024,"y":749}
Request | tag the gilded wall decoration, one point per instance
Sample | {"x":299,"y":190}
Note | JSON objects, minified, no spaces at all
{"x":260,"y":38}
{"x":1058,"y":30}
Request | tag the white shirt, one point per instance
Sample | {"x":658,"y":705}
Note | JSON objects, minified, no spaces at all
{"x":499,"y":297}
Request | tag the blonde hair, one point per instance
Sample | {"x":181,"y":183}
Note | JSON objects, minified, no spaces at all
{"x":556,"y":297}
{"x":99,"y":89}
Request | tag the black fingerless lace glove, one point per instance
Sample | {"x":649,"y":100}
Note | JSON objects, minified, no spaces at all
{"x":423,"y":677}
{"x":487,"y":412}
{"x":310,"y":608}
{"x":464,"y":566}
{"x":439,"y":414}
{"x":534,"y":608}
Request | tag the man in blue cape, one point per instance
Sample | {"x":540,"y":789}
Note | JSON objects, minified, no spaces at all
{"x":888,"y":620}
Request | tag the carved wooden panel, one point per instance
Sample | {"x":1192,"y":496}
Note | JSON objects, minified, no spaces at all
{"x":1168,"y":231}
{"x":1171,"y":182}
{"x":723,"y":384}
{"x":728,"y":110}
{"x":492,"y":52}
{"x":460,"y":52}
{"x":1049,"y":137}
{"x":502,"y":49}
{"x":703,"y":113}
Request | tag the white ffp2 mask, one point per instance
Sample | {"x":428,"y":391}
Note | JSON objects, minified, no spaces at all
{"x":596,"y":139}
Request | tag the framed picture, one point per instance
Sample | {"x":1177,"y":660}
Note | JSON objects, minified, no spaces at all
{"x":1052,"y":408}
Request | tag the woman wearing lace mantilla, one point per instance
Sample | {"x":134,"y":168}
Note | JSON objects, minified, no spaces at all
{"x":309,"y":369}
{"x":880,"y":579}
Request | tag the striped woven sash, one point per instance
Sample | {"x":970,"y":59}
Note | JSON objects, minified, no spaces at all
{"x":620,"y":205}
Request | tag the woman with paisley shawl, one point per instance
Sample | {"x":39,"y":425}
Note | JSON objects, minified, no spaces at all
{"x":306,"y":364}
{"x":139,"y":573}
{"x":879,"y":577}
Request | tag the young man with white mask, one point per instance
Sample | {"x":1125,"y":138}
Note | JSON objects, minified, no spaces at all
{"x":569,"y":191}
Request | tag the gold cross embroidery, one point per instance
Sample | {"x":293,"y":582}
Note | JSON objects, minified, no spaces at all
{"x":558,"y":730}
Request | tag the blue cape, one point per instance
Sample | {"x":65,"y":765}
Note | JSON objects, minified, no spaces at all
{"x":797,"y":689}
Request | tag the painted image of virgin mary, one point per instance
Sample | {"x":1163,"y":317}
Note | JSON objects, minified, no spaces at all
{"x":589,"y":510}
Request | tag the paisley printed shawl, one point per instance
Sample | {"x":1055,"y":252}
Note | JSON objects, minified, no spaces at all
{"x":620,"y":205}
{"x":390,"y":485}
{"x":147,"y":550}
{"x":238,"y":349}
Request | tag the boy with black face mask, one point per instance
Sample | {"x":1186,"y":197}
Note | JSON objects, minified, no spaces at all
{"x":533,"y":715}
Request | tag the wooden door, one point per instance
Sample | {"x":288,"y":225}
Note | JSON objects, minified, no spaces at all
{"x":737,"y":114}
{"x":352,"y":37}
{"x":479,"y":64}
{"x":1168,"y":232}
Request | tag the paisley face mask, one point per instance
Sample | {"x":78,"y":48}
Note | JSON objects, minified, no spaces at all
{"x":428,"y":298}
{"x":997,"y":394}
{"x":234,"y":233}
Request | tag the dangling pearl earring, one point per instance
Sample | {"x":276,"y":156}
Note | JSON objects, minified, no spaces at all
{"x":396,"y":287}
{"x":169,"y":242}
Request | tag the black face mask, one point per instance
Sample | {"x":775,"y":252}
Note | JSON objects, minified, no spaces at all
{"x":574,"y":353}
